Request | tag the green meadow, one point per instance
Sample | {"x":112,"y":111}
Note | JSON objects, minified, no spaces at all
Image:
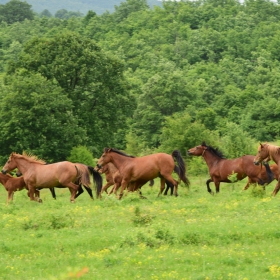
{"x":232,"y":235}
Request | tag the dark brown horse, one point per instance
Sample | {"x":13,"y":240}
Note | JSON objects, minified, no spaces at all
{"x":143,"y":169}
{"x":220,"y":168}
{"x":36,"y":173}
{"x":269,"y":152}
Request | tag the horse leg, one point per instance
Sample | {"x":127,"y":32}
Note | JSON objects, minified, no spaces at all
{"x":208,"y":186}
{"x":80,"y":191}
{"x":162,"y":185}
{"x":123,"y":187}
{"x":53,"y":193}
{"x":10,"y":196}
{"x":217,"y":185}
{"x":73,"y":188}
{"x":89,"y":190}
{"x":276,"y":189}
{"x":105,"y":187}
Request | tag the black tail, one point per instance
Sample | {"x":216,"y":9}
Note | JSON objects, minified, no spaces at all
{"x":269,"y":173}
{"x":97,"y":178}
{"x":181,"y":169}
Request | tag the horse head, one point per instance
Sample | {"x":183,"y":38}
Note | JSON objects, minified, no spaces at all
{"x":9,"y":165}
{"x":198,"y":150}
{"x":262,"y":154}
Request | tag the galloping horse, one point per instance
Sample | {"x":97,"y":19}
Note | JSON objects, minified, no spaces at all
{"x":80,"y":189}
{"x":113,"y":178}
{"x":143,"y":169}
{"x":269,"y":152}
{"x":221,"y":168}
{"x":263,"y":175}
{"x":13,"y":184}
{"x":36,"y":173}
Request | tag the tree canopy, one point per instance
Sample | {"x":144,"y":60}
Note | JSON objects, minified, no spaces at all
{"x":143,"y":79}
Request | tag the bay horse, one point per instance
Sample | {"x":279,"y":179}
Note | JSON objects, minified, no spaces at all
{"x":269,"y":152}
{"x":221,"y":168}
{"x":38,"y":174}
{"x":143,"y":169}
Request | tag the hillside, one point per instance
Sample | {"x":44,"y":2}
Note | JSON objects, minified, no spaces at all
{"x":83,"y":6}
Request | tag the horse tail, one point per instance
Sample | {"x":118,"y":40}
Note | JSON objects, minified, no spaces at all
{"x":181,"y":168}
{"x":97,"y":178}
{"x":269,"y":173}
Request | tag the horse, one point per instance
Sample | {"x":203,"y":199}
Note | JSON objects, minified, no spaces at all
{"x":269,"y":152}
{"x":220,"y":168}
{"x":52,"y":190}
{"x":143,"y":169}
{"x":38,"y":174}
{"x":263,"y":175}
{"x":12,"y":184}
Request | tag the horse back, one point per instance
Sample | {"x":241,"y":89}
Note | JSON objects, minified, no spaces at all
{"x":148,"y":167}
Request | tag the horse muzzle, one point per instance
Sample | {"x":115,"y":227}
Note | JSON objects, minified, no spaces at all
{"x":4,"y":171}
{"x":256,"y":163}
{"x":98,"y":166}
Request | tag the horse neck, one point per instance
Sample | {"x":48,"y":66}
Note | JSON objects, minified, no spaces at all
{"x":210,"y":158}
{"x":22,"y":164}
{"x":118,"y":160}
{"x":4,"y":178}
{"x":276,"y":158}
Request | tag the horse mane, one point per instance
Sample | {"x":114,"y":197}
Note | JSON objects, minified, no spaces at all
{"x":272,"y":149}
{"x":117,"y":151}
{"x":213,"y":150}
{"x":30,"y":157}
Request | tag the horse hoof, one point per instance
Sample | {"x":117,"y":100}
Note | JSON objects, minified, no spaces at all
{"x":40,"y":200}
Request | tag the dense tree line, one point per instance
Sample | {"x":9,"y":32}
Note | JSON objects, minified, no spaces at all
{"x":142,"y":79}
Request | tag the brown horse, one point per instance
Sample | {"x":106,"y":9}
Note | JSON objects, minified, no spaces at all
{"x":143,"y":169}
{"x":266,"y":152}
{"x":221,"y":168}
{"x":12,"y":184}
{"x":80,"y":189}
{"x":263,"y":175}
{"x":114,"y":178}
{"x":36,"y":173}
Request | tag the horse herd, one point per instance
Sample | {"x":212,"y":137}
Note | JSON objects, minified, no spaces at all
{"x":130,"y":173}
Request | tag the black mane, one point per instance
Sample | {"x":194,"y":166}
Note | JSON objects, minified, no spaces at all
{"x":213,"y":150}
{"x":117,"y":151}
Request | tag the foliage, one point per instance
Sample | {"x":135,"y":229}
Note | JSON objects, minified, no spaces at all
{"x":133,"y":72}
{"x":81,"y":154}
{"x":15,"y":11}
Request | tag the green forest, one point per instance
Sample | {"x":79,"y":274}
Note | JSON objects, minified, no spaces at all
{"x":140,"y":79}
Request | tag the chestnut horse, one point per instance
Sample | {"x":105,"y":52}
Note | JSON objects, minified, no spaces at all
{"x":36,"y":173}
{"x":143,"y":169}
{"x":221,"y":168}
{"x":269,"y":152}
{"x":113,"y":178}
{"x":80,"y":190}
{"x":263,"y":175}
{"x":13,"y":184}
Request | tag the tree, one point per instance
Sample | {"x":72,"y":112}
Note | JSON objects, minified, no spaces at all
{"x":16,"y":10}
{"x":93,"y":81}
{"x":46,"y":13}
{"x":36,"y":116}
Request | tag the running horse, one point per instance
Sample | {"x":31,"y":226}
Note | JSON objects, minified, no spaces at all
{"x":221,"y":168}
{"x":146,"y":168}
{"x":268,"y":152}
{"x":38,"y":174}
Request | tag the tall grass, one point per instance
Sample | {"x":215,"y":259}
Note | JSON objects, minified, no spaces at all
{"x":232,"y":235}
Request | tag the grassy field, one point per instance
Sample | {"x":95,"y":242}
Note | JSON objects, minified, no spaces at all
{"x":232,"y":235}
